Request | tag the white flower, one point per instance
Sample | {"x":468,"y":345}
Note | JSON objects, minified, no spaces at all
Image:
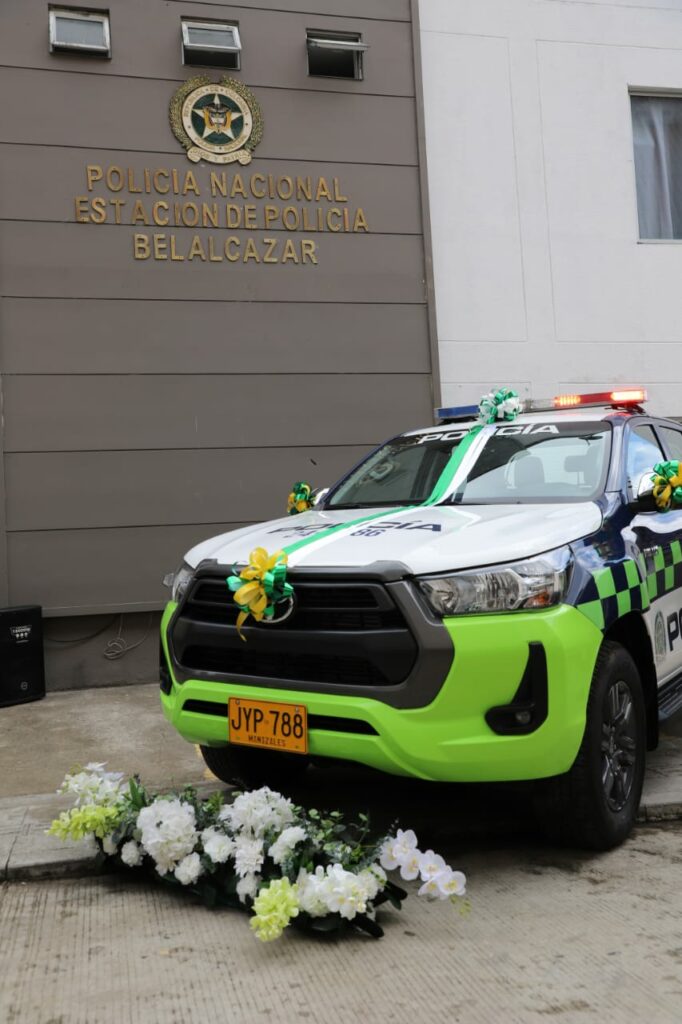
{"x":286,"y":841}
{"x":372,"y":880}
{"x":249,"y":856}
{"x":131,"y":855}
{"x":452,"y":883}
{"x":247,"y":886}
{"x":93,"y":785}
{"x":312,"y":892}
{"x":257,"y":812}
{"x":396,"y":851}
{"x":217,"y":845}
{"x":430,"y":865}
{"x":440,"y":881}
{"x":409,"y":866}
{"x":189,"y":869}
{"x":343,"y":893}
{"x":167,"y":832}
{"x":108,"y":845}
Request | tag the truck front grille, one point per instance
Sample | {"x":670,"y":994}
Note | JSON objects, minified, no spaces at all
{"x":340,"y":634}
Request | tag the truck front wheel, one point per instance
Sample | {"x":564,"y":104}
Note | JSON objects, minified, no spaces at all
{"x":595,"y":804}
{"x":251,"y":769}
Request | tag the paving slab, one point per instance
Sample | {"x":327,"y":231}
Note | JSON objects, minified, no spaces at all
{"x":33,"y":854}
{"x":662,"y":794}
{"x":123,"y":725}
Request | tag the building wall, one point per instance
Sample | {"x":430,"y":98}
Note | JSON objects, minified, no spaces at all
{"x":541,"y":281}
{"x":150,"y":403}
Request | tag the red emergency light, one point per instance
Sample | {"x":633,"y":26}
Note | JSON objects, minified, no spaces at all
{"x":623,"y":397}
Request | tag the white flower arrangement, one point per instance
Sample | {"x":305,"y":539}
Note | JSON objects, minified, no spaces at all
{"x":284,"y":864}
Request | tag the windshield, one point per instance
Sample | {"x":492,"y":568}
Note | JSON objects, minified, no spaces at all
{"x":552,"y":462}
{"x":402,"y":472}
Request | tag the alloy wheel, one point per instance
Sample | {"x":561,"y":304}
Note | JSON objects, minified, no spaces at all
{"x":618,"y":745}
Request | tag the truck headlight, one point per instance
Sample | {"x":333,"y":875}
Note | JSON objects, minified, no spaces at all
{"x":179,"y":581}
{"x":530,"y":584}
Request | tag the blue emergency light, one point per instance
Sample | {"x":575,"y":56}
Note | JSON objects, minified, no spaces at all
{"x":456,"y":412}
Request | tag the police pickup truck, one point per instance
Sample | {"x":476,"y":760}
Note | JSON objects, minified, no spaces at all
{"x":470,"y":603}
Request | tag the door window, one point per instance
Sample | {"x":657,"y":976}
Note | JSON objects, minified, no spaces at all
{"x":673,"y":441}
{"x":644,"y":452}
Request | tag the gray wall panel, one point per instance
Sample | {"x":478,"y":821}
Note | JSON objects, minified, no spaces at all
{"x":85,"y":413}
{"x":388,"y":195}
{"x":96,"y":261}
{"x":103,"y":489}
{"x":122,"y":336}
{"x":68,"y":571}
{"x":141,"y":396}
{"x":299,"y":125}
{"x":146,"y":43}
{"x":398,"y":10}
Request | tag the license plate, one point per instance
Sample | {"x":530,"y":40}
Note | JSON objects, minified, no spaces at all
{"x":269,"y":725}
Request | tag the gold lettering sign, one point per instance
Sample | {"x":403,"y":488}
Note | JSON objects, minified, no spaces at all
{"x":223,"y":202}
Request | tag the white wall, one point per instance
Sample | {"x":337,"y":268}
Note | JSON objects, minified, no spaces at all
{"x":541,"y":281}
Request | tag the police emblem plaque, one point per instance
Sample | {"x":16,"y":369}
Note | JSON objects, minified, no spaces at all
{"x":216,"y":121}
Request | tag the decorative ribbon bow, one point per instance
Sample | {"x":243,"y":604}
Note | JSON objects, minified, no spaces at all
{"x":300,"y":499}
{"x":499,"y":405}
{"x":260,"y":586}
{"x":667,"y":485}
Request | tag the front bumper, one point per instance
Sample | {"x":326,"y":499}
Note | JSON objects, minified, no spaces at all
{"x":449,"y":738}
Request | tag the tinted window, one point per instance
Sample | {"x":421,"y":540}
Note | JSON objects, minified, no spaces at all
{"x":673,"y":440}
{"x":643,"y":452}
{"x":402,"y":472}
{"x":554,"y":462}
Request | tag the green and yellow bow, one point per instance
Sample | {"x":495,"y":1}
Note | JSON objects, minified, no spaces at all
{"x":499,"y":405}
{"x":667,"y":485}
{"x":300,"y":499}
{"x":260,"y":586}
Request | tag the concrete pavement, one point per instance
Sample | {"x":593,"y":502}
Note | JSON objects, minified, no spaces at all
{"x":551,"y":933}
{"x":551,"y":936}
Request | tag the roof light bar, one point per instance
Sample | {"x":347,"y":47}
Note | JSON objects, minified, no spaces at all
{"x":628,"y":397}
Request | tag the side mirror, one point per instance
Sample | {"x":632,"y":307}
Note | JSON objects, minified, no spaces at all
{"x":320,"y":495}
{"x":644,"y":494}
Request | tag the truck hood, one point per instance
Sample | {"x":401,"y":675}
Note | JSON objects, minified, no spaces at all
{"x":425,"y":539}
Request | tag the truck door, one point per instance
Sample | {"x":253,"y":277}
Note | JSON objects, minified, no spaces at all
{"x":659,"y":539}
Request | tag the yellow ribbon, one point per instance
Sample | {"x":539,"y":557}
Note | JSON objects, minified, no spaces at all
{"x":667,"y":481}
{"x":260,"y":586}
{"x":300,"y":499}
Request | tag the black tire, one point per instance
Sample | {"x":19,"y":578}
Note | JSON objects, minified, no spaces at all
{"x":250,"y":769}
{"x":594,"y":805}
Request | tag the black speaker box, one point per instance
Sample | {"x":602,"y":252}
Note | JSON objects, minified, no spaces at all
{"x":22,"y":669}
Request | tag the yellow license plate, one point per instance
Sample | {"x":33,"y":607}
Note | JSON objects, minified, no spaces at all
{"x":269,"y":725}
